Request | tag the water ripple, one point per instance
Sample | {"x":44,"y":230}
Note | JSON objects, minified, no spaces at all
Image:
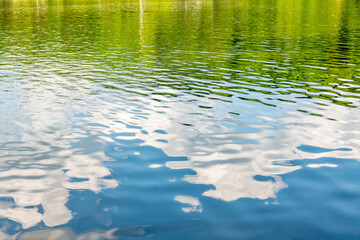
{"x":148,"y":119}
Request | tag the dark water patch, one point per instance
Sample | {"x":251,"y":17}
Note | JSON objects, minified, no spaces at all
{"x":314,"y":149}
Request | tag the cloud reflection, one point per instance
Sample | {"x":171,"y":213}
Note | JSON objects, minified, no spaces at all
{"x":230,"y":157}
{"x":60,"y":146}
{"x":192,"y":201}
{"x":39,"y":165}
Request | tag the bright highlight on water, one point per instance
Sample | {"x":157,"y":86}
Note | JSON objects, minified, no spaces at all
{"x":179,"y":119}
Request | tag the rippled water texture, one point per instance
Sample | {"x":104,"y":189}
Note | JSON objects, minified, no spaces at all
{"x":183,"y":119}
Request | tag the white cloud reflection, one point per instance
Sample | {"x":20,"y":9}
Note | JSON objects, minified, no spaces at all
{"x":195,"y":205}
{"x":211,"y":143}
{"x":228,"y":153}
{"x":39,"y":165}
{"x":322,"y":165}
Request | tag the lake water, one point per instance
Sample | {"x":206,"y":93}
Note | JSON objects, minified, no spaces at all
{"x":179,"y":119}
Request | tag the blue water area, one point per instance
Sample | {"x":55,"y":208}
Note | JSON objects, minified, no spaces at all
{"x":314,"y":149}
{"x":179,"y":119}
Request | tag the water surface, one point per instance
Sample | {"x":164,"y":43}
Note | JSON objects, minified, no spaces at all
{"x":182,"y":119}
